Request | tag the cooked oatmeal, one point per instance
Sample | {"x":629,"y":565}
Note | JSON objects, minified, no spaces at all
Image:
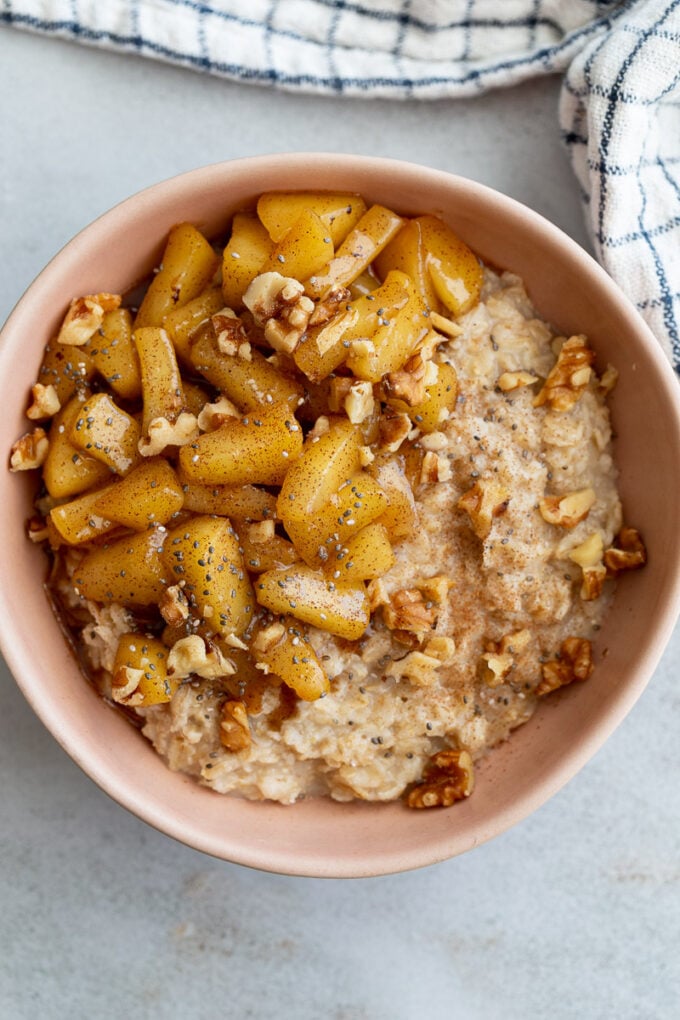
{"x":492,"y":553}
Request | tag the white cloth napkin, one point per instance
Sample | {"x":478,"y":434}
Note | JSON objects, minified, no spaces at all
{"x":620,"y":108}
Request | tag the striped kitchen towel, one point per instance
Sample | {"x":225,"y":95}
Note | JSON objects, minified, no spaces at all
{"x":619,"y":112}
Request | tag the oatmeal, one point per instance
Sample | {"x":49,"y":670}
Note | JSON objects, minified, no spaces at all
{"x":339,"y":530}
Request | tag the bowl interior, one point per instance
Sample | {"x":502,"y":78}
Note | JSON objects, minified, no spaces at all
{"x":318,"y":837}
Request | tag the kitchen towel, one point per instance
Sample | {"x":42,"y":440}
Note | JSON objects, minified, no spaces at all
{"x":619,"y":110}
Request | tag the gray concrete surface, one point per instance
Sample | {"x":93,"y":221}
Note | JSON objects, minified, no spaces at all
{"x":574,"y":913}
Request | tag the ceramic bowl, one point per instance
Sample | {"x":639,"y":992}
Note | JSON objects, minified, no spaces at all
{"x":319,"y":837}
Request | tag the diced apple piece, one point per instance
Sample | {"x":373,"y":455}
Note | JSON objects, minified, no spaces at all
{"x":401,"y":516}
{"x":161,"y":381}
{"x":107,"y":433}
{"x":67,"y":469}
{"x":240,"y":502}
{"x":150,"y":494}
{"x":65,"y":368}
{"x":260,"y":553}
{"x":279,"y":210}
{"x":399,"y":329}
{"x":305,"y":249}
{"x":248,"y":249}
{"x":369,"y":554}
{"x":256,"y":449}
{"x":339,"y":608}
{"x":249,"y":384}
{"x":140,"y":654}
{"x":358,"y":502}
{"x":284,"y":649}
{"x":181,"y":323}
{"x":456,"y":272}
{"x":78,"y":522}
{"x":406,"y":252}
{"x":114,"y":356}
{"x":372,"y":233}
{"x":324,"y":464}
{"x":187,"y":267}
{"x":203,"y":557}
{"x":128,"y":571}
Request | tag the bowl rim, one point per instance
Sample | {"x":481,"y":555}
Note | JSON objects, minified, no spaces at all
{"x":225,"y":846}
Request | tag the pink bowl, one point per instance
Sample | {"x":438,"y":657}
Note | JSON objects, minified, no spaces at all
{"x":319,"y":837}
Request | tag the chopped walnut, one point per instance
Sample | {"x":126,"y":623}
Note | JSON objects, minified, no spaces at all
{"x":567,"y":511}
{"x":434,"y":468}
{"x":124,"y":684}
{"x":37,"y":529}
{"x":408,"y":384}
{"x":588,"y":556}
{"x":330,"y":306}
{"x":514,"y":380}
{"x":366,"y":456}
{"x":212,"y":416}
{"x":189,"y":655}
{"x":444,"y":325}
{"x":352,"y":396}
{"x":482,"y":503}
{"x":449,"y":776}
{"x":627,"y":553}
{"x":234,"y":728}
{"x":418,"y":668}
{"x":574,"y":663}
{"x":163,"y":433}
{"x":608,"y":380}
{"x":232,"y":338}
{"x":442,"y":648}
{"x":322,"y":426}
{"x":407,"y":610}
{"x":377,"y":594}
{"x":30,"y":451}
{"x":394,"y":429}
{"x":593,"y":582}
{"x":266,"y":639}
{"x":173,"y":606}
{"x":84,"y":317}
{"x":45,"y":402}
{"x":568,"y":377}
{"x":499,"y":657}
{"x":435,"y":589}
{"x":279,"y":304}
{"x":434,"y":441}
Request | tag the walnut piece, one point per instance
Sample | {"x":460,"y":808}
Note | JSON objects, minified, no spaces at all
{"x":232,"y":338}
{"x":407,"y":610}
{"x":434,"y":468}
{"x":627,"y":553}
{"x":212,"y":416}
{"x":568,"y":377}
{"x":37,"y":530}
{"x":173,"y":606}
{"x":84,"y":317}
{"x":394,"y":429}
{"x":124,"y":684}
{"x":499,"y":657}
{"x":514,"y":380}
{"x":567,"y":511}
{"x":449,"y":776}
{"x":279,"y":304}
{"x":482,"y":503}
{"x":419,"y":668}
{"x":330,"y":306}
{"x":234,"y":728}
{"x":407,"y":384}
{"x":30,"y":451}
{"x":575,"y":663}
{"x":608,"y":380}
{"x":164,"y":433}
{"x":352,"y":396}
{"x":189,"y":655}
{"x":45,"y":402}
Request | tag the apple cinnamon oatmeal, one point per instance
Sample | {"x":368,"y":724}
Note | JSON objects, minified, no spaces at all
{"x":333,"y":509}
